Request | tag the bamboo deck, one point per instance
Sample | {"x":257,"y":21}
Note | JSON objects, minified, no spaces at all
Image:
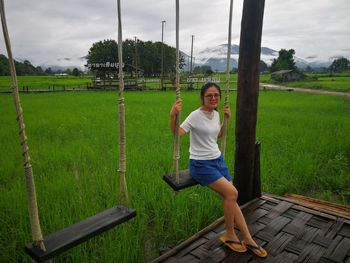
{"x":291,"y":229}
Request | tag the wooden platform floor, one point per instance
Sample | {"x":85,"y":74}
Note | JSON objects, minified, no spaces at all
{"x":289,"y":231}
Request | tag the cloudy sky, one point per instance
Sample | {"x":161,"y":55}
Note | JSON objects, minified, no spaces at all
{"x":61,"y":32}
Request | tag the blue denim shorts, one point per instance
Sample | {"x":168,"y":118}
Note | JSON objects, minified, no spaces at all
{"x":208,"y":171}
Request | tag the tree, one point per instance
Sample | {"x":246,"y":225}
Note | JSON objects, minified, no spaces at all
{"x":148,"y":56}
{"x":4,"y":66}
{"x":203,"y":69}
{"x":340,"y":65}
{"x":284,"y":61}
{"x":263,"y":66}
{"x":48,"y":71}
{"x":76,"y":72}
{"x":209,"y":72}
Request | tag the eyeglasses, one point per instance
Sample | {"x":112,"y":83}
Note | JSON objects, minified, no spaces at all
{"x":212,"y":96}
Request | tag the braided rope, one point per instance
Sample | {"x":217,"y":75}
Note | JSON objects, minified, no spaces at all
{"x":28,"y":172}
{"x":225,"y":122}
{"x":122,"y":138}
{"x":178,"y":96}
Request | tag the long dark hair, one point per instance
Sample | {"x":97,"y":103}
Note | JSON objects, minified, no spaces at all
{"x":207,"y":86}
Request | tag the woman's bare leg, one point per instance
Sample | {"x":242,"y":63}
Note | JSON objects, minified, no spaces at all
{"x":232,"y":212}
{"x":229,"y":195}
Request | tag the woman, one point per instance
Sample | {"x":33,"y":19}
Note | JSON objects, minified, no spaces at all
{"x":207,"y":165}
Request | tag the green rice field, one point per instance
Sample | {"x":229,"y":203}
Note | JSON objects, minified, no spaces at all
{"x":73,"y":141}
{"x":336,"y":82}
{"x":341,"y":84}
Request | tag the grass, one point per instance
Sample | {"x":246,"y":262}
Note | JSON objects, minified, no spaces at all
{"x":325,"y":83}
{"x":73,"y":146}
{"x":337,"y":82}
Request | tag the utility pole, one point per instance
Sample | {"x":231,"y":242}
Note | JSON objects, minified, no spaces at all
{"x":192,"y":36}
{"x":191,"y":87}
{"x":162,"y":58}
{"x":136,"y":66}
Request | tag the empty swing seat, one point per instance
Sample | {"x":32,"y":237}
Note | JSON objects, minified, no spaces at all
{"x":78,"y":233}
{"x":185,"y":180}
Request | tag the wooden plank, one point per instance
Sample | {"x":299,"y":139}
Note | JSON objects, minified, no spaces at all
{"x":335,"y":228}
{"x":200,"y":252}
{"x":279,"y":209}
{"x":276,"y":225}
{"x":296,"y":246}
{"x":340,"y":252}
{"x":310,"y":253}
{"x":185,"y":180}
{"x":345,"y":231}
{"x":296,"y":227}
{"x":253,"y":217}
{"x":304,"y":207}
{"x":74,"y":235}
{"x":279,"y":243}
{"x":188,"y":259}
{"x":335,"y":209}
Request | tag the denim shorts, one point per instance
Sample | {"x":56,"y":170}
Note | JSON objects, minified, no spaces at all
{"x":208,"y":171}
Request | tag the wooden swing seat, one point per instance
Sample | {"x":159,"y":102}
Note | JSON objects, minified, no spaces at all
{"x":73,"y":235}
{"x":185,"y":180}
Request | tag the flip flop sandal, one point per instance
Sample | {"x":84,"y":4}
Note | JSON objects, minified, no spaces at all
{"x":257,"y":250}
{"x":228,"y":243}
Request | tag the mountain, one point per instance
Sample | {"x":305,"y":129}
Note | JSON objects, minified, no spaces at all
{"x":216,"y":58}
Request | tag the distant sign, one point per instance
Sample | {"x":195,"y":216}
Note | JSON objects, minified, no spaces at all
{"x":104,"y":65}
{"x":210,"y":79}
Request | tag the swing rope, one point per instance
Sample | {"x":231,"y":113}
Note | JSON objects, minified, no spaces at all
{"x":176,"y":155}
{"x":28,"y":171}
{"x":178,"y":97}
{"x":122,"y":138}
{"x":225,"y":122}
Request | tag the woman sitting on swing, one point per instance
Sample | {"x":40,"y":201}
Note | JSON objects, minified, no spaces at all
{"x":208,"y":167}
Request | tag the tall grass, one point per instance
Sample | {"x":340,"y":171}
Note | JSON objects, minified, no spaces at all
{"x":73,"y":145}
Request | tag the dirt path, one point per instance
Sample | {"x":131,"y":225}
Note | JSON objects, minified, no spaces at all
{"x":314,"y":91}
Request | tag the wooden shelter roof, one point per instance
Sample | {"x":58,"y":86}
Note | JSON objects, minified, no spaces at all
{"x":291,"y":229}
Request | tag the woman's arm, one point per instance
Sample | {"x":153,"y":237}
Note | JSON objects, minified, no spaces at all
{"x":227,"y":113}
{"x":175,"y":110}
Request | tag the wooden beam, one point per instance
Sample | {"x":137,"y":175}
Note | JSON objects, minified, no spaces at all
{"x":247,"y":97}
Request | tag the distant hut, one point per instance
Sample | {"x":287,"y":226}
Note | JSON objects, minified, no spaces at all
{"x":287,"y":75}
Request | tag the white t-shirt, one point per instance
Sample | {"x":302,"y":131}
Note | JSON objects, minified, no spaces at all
{"x":203,"y":135}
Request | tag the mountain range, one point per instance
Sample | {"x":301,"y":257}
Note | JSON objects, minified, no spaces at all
{"x":216,"y":58}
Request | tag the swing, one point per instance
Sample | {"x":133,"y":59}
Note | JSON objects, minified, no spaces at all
{"x":42,"y":249}
{"x":181,"y":179}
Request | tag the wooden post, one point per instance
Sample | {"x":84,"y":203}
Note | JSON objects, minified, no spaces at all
{"x":247,"y":98}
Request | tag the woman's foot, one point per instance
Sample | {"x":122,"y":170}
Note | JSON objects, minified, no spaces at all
{"x":233,"y":243}
{"x":254,"y":247}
